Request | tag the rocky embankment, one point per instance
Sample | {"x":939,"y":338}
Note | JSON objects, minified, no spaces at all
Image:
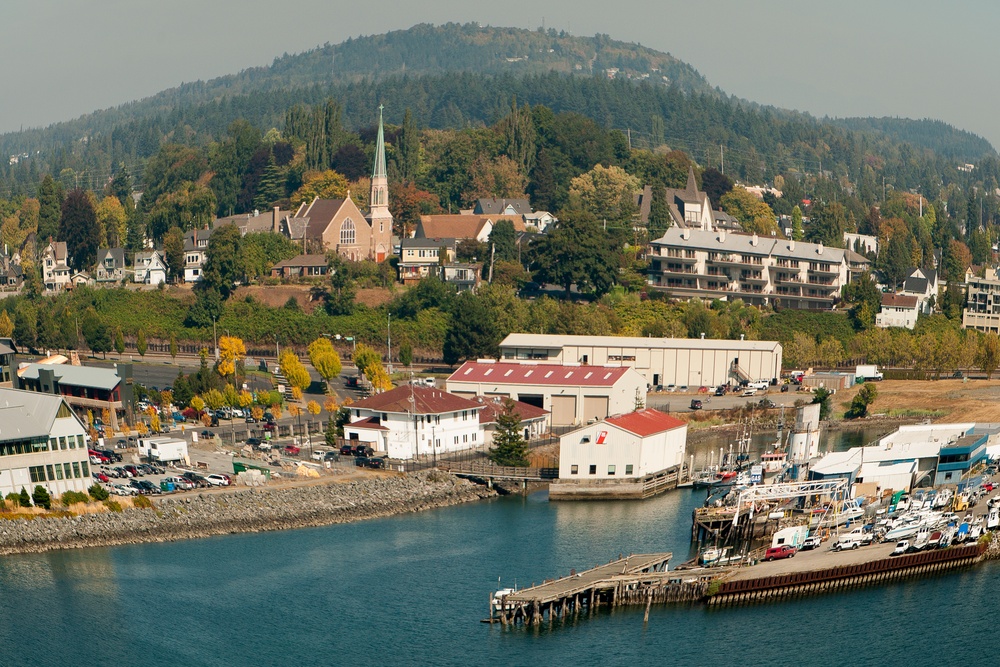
{"x":242,"y":511}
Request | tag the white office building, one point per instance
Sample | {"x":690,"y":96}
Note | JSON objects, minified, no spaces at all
{"x":42,"y":442}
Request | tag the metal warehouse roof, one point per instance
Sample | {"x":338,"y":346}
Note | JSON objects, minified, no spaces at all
{"x":560,"y":341}
{"x":646,"y":422}
{"x":27,"y":414}
{"x":538,"y":374}
{"x":75,"y":376}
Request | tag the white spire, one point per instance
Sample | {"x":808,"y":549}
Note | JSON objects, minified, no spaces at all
{"x":379,"y":170}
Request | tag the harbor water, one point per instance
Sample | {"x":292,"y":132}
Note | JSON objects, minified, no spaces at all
{"x":411,"y":590}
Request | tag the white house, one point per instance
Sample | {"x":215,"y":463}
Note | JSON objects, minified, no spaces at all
{"x":411,"y":421}
{"x":195,"y":245}
{"x":150,"y":268}
{"x":898,"y":310}
{"x":533,"y":420}
{"x":42,"y":442}
{"x":923,"y":284}
{"x":595,"y":459}
{"x":573,"y":393}
{"x":56,"y":273}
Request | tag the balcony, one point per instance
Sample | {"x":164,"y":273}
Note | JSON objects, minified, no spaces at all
{"x":827,"y":282}
{"x":688,"y":257}
{"x":788,"y":279}
{"x":824,"y":269}
{"x":757,"y":277}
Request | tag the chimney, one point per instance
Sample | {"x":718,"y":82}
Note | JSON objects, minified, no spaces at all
{"x":275,"y":220}
{"x":819,"y":248}
{"x":791,"y":244}
{"x":686,"y":234}
{"x":754,"y":240}
{"x":722,"y":236}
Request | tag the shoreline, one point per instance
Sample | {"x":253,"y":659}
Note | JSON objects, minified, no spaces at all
{"x":248,"y":510}
{"x":697,"y":436}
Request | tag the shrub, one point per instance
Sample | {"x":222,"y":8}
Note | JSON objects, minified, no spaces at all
{"x":113,"y":505}
{"x":14,"y":499}
{"x":73,"y":497}
{"x":98,"y":492}
{"x":41,"y":497}
{"x":142,"y":502}
{"x":23,"y":499}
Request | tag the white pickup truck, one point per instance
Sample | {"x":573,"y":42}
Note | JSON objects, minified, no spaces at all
{"x":852,"y":540}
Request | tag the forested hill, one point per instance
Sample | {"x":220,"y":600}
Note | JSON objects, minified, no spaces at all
{"x":457,"y":76}
{"x":945,"y":140}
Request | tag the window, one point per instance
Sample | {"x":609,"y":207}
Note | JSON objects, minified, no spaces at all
{"x":628,"y":469}
{"x":59,"y":471}
{"x":53,"y":445}
{"x":85,"y":468}
{"x":574,"y":469}
{"x":347,"y":232}
{"x":37,"y":473}
{"x":611,"y":470}
{"x":465,"y":437}
{"x":50,"y":473}
{"x":473,"y":437}
{"x":593,"y":469}
{"x":69,"y":471}
{"x":62,"y":442}
{"x":79,"y":441}
{"x":76,"y":469}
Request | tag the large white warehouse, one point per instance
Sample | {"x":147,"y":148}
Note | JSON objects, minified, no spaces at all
{"x":663,"y":361}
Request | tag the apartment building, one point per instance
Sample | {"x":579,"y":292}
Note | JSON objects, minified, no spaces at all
{"x":759,"y":270}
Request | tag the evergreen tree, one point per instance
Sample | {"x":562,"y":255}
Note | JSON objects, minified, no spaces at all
{"x":23,"y":498}
{"x":41,"y":497}
{"x":473,"y":333}
{"x":715,"y":184}
{"x":221,"y":269}
{"x":140,"y":343}
{"x":173,"y":347}
{"x":797,"y":233}
{"x":659,"y":213}
{"x":503,"y":238}
{"x":173,"y":251}
{"x":542,"y":187}
{"x":96,"y":333}
{"x":577,"y":252}
{"x":119,"y":341}
{"x":50,"y":201}
{"x":409,"y":148}
{"x":509,"y":447}
{"x":79,"y":229}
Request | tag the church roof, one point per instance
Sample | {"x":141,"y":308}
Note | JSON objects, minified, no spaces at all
{"x":379,"y":169}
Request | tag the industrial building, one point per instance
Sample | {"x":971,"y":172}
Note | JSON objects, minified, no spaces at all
{"x":913,"y":456}
{"x":85,"y":388}
{"x":572,"y":393}
{"x":619,"y":456}
{"x":692,"y":362}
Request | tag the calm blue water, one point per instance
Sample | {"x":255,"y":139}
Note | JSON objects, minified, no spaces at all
{"x":410,"y":590}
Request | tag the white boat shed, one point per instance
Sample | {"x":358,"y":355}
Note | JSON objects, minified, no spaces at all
{"x":572,"y":393}
{"x":693,"y":362}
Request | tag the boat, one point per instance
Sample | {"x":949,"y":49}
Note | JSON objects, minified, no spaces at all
{"x":705,"y":479}
{"x":922,"y":537}
{"x":993,"y":518}
{"x":943,"y":498}
{"x":498,"y":597}
{"x":712,"y":556}
{"x":773,"y":462}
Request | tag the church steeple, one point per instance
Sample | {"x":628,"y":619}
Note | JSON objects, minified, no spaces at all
{"x":379,"y":170}
{"x":379,"y":216}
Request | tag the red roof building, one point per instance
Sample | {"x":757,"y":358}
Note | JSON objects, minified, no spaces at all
{"x":646,"y":422}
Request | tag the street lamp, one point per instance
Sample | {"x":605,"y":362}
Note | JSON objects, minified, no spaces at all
{"x":215,"y":339}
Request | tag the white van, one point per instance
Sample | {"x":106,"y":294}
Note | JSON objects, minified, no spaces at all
{"x":750,"y":391}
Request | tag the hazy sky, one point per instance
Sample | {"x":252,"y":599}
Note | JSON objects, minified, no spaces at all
{"x":63,"y":58}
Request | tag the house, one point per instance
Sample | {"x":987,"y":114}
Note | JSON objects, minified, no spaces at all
{"x":982,"y":306}
{"x":149,"y":268}
{"x":624,"y":456}
{"x":898,"y":310}
{"x":418,"y":256}
{"x":195,"y":251}
{"x":80,"y":278}
{"x":502,"y":208}
{"x":459,"y":227}
{"x":41,"y":443}
{"x":338,"y":225}
{"x":464,"y":277}
{"x":301,"y":266}
{"x":690,"y":208}
{"x":540,"y":220}
{"x":412,"y":421}
{"x":56,"y":273}
{"x":675,"y":362}
{"x":574,"y":394}
{"x":923,"y":284}
{"x":111,"y":265}
{"x":760,"y":270}
{"x":11,"y":275}
{"x":86,"y":388}
{"x":534,"y":420}
{"x":256,"y":222}
{"x":861,"y":243}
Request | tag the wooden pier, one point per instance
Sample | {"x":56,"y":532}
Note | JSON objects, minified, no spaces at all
{"x":633,"y":580}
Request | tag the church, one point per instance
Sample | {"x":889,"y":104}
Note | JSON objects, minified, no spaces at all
{"x":324,"y":225}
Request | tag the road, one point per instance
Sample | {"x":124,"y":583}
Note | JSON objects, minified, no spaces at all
{"x":677,"y":402}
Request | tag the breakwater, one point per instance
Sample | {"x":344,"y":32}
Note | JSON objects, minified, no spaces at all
{"x":242,"y":511}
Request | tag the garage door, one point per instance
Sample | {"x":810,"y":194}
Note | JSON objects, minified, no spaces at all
{"x":563,"y":410}
{"x":465,"y":394}
{"x":595,"y":407}
{"x":532,"y":399}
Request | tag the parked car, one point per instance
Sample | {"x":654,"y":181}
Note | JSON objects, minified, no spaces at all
{"x":123,"y":472}
{"x":218,"y":480}
{"x":811,"y":543}
{"x":901,"y":548}
{"x":197,"y":479}
{"x":783,"y":551}
{"x":133,"y":470}
{"x":206,"y":434}
{"x":124,"y":490}
{"x":292,"y":450}
{"x":112,"y":455}
{"x":100,"y":476}
{"x":750,"y":391}
{"x":363,"y":450}
{"x":696,"y":404}
{"x":373,"y":462}
{"x":346,"y":450}
{"x":318,"y":455}
{"x":254,"y":442}
{"x":331,"y":456}
{"x":144,"y":487}
{"x":264,"y":446}
{"x":270,"y":426}
{"x":180,"y":483}
{"x":720,"y":390}
{"x":250,"y":419}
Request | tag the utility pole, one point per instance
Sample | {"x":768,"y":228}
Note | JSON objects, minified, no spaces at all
{"x":493,"y":252}
{"x":722,"y":157}
{"x":215,"y":340}
{"x":388,"y":340}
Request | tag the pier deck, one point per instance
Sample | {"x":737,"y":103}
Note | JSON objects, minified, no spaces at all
{"x":602,"y":576}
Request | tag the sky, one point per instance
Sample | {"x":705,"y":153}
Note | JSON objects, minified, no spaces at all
{"x":63,"y":58}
